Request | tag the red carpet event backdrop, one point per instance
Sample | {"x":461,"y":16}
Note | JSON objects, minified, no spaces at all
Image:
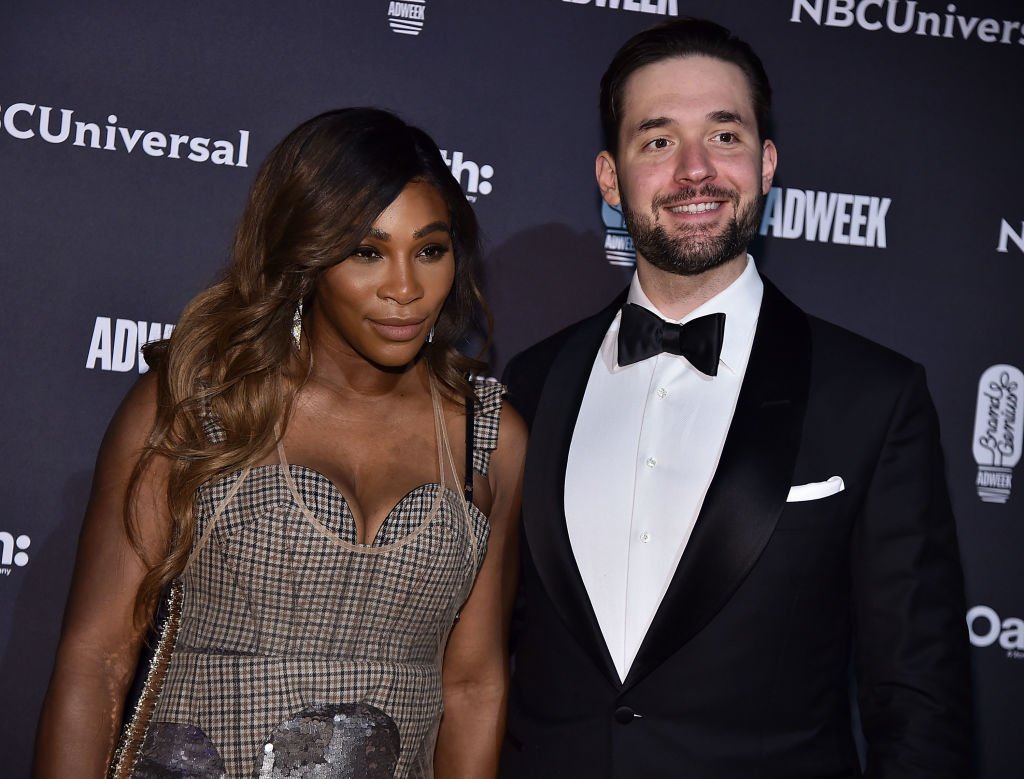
{"x":130,"y":133}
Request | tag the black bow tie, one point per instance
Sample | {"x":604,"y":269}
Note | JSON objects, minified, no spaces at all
{"x":643,"y":334}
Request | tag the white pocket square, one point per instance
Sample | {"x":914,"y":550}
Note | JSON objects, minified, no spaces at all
{"x":815,"y":490}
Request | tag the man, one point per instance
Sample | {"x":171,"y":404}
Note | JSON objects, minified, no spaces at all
{"x":715,"y":537}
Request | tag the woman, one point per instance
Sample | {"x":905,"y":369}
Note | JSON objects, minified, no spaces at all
{"x":301,"y":471}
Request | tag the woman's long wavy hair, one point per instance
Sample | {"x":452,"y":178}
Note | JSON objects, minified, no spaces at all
{"x":314,"y":199}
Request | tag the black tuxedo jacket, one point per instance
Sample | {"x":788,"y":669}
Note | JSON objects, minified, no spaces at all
{"x":745,"y":670}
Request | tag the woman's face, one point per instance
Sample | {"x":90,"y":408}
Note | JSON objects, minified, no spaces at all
{"x":381,"y":302}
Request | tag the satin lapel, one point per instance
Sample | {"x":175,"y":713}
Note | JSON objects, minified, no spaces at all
{"x":543,"y":491}
{"x":749,"y":488}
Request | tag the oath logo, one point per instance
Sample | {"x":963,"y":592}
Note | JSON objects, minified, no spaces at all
{"x":477,"y":177}
{"x":407,"y":18}
{"x":828,"y":217}
{"x":117,"y":344}
{"x":1008,"y":235}
{"x":998,"y":428}
{"x":986,"y":628}
{"x":660,"y":7}
{"x":618,"y":245}
{"x":25,"y":121}
{"x":903,"y":16}
{"x":12,"y":552}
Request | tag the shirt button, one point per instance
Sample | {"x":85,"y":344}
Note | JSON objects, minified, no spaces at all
{"x":645,"y":536}
{"x":662,"y":392}
{"x":651,"y":462}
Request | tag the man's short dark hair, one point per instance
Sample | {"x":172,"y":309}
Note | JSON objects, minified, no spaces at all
{"x":684,"y":37}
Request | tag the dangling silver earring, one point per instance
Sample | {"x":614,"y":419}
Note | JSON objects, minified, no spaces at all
{"x":430,"y":335}
{"x":297,"y":327}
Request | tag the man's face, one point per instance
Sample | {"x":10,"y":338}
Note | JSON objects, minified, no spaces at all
{"x":690,"y":172}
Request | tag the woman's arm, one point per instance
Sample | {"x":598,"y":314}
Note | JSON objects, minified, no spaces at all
{"x":475,"y":674}
{"x":100,"y":642}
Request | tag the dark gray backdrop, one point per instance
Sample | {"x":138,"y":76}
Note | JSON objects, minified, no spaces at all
{"x":929,"y":119}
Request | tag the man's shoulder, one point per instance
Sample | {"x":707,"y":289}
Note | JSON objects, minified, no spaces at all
{"x":833,"y":344}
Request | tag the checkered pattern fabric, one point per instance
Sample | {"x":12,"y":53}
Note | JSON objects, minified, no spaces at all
{"x":284,"y":611}
{"x":485,"y":425}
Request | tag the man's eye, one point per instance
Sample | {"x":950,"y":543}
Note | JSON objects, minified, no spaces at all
{"x":727,"y":137}
{"x":658,"y":143}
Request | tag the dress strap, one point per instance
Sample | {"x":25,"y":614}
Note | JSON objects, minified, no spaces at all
{"x":445,"y":455}
{"x":198,"y":547}
{"x":470,"y":440}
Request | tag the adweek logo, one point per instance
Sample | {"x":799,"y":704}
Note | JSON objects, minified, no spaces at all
{"x":116,"y":344}
{"x":660,"y":7}
{"x":477,"y":177}
{"x":998,"y":428}
{"x":904,"y":16}
{"x":986,"y":628}
{"x":25,"y":121}
{"x":828,"y":217}
{"x":618,"y":245}
{"x":407,"y":18}
{"x":12,"y":552}
{"x":1008,"y":235}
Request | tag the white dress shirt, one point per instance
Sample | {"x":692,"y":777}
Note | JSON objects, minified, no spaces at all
{"x":645,"y":447}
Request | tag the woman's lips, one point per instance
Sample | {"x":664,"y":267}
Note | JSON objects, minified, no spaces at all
{"x":398,"y":329}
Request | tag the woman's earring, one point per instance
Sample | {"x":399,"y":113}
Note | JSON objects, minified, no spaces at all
{"x":430,"y":335}
{"x":297,"y":327}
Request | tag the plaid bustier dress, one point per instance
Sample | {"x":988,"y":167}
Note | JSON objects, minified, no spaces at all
{"x":302,"y":653}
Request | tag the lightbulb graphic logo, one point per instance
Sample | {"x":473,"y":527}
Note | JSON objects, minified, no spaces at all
{"x":998,"y":429}
{"x":618,"y":246}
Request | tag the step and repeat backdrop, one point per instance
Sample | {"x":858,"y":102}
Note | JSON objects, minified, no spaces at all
{"x":130,"y":133}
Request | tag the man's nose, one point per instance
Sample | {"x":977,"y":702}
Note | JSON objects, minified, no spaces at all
{"x":694,"y":163}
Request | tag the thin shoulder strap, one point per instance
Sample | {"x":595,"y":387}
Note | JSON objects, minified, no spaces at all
{"x":468,"y":488}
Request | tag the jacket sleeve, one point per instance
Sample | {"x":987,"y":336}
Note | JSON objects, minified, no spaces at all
{"x":910,"y":638}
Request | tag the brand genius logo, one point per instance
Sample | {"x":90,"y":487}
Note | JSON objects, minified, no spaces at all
{"x":407,"y":18}
{"x":12,"y":551}
{"x":998,"y":429}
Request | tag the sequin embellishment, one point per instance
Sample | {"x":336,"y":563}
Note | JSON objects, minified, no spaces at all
{"x":174,"y":751}
{"x":347,"y":741}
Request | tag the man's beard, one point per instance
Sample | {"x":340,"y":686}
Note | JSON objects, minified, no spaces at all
{"x":695,"y":250}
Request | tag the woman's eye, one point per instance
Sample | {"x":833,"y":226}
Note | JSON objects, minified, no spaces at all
{"x":434,"y":251}
{"x":365,"y":253}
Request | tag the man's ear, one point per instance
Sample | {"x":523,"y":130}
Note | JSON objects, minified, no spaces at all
{"x":769,"y":159}
{"x":607,"y":181}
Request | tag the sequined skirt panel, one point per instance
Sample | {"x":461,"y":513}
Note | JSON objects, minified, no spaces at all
{"x":279,"y":696}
